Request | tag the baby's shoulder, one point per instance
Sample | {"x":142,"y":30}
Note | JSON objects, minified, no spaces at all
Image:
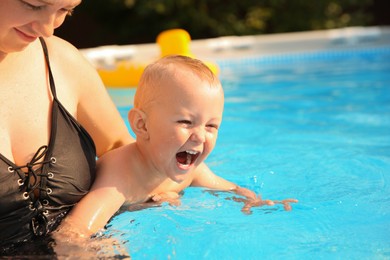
{"x":118,"y":157}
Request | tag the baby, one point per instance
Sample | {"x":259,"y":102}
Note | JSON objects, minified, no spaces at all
{"x":176,"y":116}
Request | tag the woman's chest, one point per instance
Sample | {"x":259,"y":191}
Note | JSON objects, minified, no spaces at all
{"x":26,"y":116}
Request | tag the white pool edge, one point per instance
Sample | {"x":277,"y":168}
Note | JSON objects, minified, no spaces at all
{"x":239,"y":47}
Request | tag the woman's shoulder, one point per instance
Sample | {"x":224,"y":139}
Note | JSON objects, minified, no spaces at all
{"x":57,"y":42}
{"x":62,"y":49}
{"x":68,"y":60}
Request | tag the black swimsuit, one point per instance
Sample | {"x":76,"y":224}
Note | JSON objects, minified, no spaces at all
{"x":62,"y":171}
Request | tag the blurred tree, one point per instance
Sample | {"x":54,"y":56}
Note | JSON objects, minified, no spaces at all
{"x":102,"y":22}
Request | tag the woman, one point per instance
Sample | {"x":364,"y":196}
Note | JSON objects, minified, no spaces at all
{"x":55,"y":118}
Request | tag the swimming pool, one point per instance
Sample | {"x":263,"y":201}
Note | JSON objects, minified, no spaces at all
{"x":313,"y":126}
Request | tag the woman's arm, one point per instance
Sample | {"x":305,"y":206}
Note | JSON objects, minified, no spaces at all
{"x":82,"y":92}
{"x":106,"y":196}
{"x":95,"y":110}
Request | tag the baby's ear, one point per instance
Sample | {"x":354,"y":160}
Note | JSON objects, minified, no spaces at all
{"x":137,"y":120}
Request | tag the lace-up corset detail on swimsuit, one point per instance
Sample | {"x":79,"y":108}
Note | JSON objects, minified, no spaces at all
{"x":36,"y":196}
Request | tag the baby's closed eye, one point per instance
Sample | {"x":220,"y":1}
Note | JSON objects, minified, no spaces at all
{"x":213,"y":126}
{"x":184,"y":121}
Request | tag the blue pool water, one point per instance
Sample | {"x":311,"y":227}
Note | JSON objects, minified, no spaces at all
{"x":315,"y":127}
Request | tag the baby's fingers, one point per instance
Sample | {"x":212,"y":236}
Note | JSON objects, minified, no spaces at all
{"x":268,"y":202}
{"x":174,"y":202}
{"x":287,"y":207}
{"x":286,"y":201}
{"x":286,"y":204}
{"x":290,"y":201}
{"x":236,"y":199}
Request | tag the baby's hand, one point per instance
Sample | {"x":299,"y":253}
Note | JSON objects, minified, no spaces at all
{"x":253,"y":200}
{"x":286,"y":203}
{"x":171,"y":197}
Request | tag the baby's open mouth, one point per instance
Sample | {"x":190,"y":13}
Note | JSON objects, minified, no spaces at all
{"x":187,"y":157}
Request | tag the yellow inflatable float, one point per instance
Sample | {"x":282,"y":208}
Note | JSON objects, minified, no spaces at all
{"x":127,"y":73}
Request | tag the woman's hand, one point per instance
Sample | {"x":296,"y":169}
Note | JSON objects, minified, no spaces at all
{"x":72,"y":242}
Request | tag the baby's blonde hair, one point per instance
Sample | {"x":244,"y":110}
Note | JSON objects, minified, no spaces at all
{"x":164,"y":68}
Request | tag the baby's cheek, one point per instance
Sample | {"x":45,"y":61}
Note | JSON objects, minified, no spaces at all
{"x":212,"y":139}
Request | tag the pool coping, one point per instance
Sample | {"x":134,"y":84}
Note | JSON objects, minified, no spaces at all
{"x":233,"y":48}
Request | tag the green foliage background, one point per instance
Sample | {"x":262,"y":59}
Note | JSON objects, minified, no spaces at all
{"x":102,"y":22}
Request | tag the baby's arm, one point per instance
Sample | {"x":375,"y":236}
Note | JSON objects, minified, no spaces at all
{"x":204,"y":177}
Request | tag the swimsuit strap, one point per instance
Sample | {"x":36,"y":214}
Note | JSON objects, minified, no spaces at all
{"x":51,"y":79}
